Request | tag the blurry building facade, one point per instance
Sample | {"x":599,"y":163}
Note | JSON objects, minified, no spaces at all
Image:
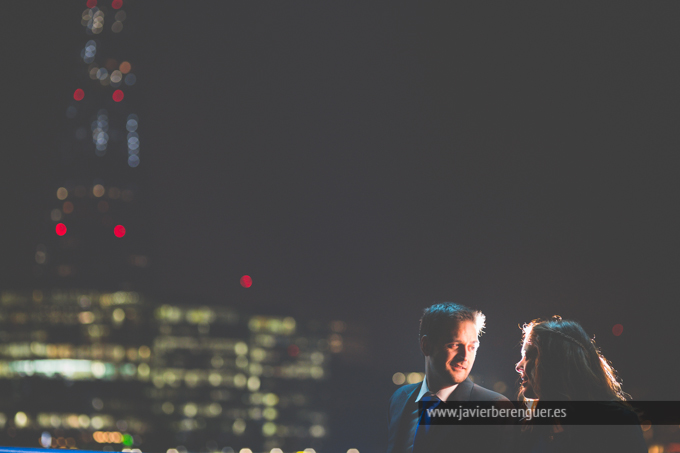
{"x":111,"y":370}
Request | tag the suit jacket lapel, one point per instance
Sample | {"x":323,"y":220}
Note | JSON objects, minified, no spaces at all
{"x":463,"y":392}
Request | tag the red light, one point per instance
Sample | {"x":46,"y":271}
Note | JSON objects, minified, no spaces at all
{"x":119,"y":231}
{"x":617,"y":330}
{"x":246,"y":281}
{"x":91,"y":3}
{"x":118,"y":95}
{"x":60,"y":229}
{"x":293,"y":350}
{"x":78,"y":95}
{"x":116,"y":4}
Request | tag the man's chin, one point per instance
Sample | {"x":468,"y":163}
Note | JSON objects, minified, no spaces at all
{"x":458,"y":377}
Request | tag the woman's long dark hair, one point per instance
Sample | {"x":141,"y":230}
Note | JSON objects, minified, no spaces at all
{"x":568,"y":365}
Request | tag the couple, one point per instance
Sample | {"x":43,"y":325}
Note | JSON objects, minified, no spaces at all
{"x":559,"y":363}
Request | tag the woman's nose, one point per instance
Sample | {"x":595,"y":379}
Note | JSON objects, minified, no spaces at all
{"x":519,"y":367}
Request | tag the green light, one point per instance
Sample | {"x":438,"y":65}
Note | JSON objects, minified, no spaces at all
{"x":127,"y":440}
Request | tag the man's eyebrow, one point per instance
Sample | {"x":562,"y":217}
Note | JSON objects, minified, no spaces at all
{"x":459,"y":341}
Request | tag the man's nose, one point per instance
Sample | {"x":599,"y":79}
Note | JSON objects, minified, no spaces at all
{"x":464,"y":354}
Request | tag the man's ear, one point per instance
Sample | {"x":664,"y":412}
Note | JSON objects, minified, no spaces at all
{"x":425,"y":345}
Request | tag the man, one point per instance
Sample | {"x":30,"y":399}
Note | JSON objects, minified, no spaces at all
{"x":449,"y":338}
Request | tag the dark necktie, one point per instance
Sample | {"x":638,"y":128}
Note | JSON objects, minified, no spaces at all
{"x":423,"y":436}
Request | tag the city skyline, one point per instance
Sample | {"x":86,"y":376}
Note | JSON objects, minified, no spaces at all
{"x":360,"y":163}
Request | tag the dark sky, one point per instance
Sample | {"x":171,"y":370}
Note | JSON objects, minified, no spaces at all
{"x":362,"y":160}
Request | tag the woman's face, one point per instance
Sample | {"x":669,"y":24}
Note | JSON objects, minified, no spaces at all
{"x":527,"y":370}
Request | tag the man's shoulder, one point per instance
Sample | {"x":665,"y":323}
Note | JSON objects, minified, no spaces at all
{"x":480,"y":393}
{"x":405,"y":390}
{"x":402,"y":393}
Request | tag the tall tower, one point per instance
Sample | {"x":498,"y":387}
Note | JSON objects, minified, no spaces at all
{"x":86,"y":361}
{"x":93,"y":236}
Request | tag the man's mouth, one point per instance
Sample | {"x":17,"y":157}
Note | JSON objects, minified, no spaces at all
{"x":459,"y":366}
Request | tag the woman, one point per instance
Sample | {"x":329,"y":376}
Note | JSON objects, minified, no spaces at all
{"x":561,"y":363}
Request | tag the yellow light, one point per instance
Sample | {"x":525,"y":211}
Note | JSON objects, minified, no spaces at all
{"x":500,"y":387}
{"x":86,"y":317}
{"x":255,"y":369}
{"x":414,"y":378}
{"x":316,"y":372}
{"x":270,"y":413}
{"x":352,"y":450}
{"x":98,"y":190}
{"x":84,"y":421}
{"x":288,"y":325}
{"x":143,"y":370}
{"x":21,"y":420}
{"x":214,"y":409}
{"x":258,"y":354}
{"x":118,"y":315}
{"x":270,"y":399}
{"x":253,"y":383}
{"x":144,"y":352}
{"x":239,"y":426}
{"x":240,"y":380}
{"x":398,"y":378}
{"x":97,"y":422}
{"x":62,"y":193}
{"x":269,"y":429}
{"x":241,"y":361}
{"x":168,"y":407}
{"x":215,"y":379}
{"x":191,"y":378}
{"x":317,"y":431}
{"x":241,"y":348}
{"x":317,"y":358}
{"x":190,"y":410}
{"x":72,"y":421}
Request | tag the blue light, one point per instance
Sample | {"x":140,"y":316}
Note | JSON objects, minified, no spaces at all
{"x":133,"y":161}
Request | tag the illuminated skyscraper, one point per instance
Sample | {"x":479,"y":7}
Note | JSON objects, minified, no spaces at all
{"x":94,"y":234}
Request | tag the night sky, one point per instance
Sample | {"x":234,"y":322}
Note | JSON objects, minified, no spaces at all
{"x":362,"y":160}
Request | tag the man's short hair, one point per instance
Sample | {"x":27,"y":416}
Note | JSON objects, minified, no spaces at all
{"x":438,"y":317}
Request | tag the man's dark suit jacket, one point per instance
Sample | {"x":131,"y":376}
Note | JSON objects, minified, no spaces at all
{"x":453,"y":438}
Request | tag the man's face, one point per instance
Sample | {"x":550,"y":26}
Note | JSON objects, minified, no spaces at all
{"x":527,"y":370}
{"x":449,"y":356}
